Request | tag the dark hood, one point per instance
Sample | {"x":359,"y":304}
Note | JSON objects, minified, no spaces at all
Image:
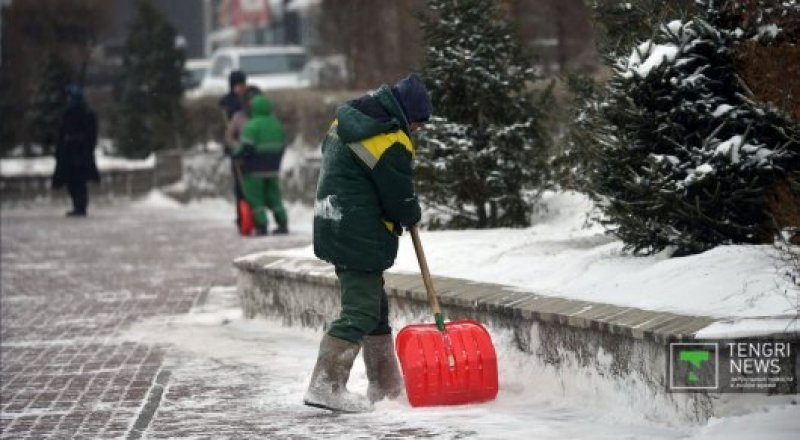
{"x":372,"y":114}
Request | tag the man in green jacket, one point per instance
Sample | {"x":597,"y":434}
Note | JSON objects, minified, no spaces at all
{"x":365,"y":196}
{"x":260,"y":149}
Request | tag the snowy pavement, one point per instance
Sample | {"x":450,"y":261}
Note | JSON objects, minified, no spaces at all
{"x":72,"y":287}
{"x":126,"y":325}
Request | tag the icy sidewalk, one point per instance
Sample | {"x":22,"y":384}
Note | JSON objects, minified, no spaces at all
{"x":232,"y":376}
{"x":72,"y":287}
{"x":567,"y":309}
{"x":236,"y":376}
{"x":109,"y":330}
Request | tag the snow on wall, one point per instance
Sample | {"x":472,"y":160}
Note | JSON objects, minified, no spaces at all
{"x":44,"y":166}
{"x":558,"y":256}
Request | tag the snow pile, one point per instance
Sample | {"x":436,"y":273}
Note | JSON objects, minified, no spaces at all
{"x":560,"y":256}
{"x":738,"y":328}
{"x":206,"y":173}
{"x":157,"y":200}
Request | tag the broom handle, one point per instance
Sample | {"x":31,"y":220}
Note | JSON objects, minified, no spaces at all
{"x":238,"y":172}
{"x":426,"y":278}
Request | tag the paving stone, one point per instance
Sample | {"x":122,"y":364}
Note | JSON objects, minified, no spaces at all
{"x":71,"y":287}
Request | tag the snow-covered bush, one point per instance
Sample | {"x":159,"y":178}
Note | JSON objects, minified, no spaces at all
{"x":481,"y":158}
{"x":685,"y":157}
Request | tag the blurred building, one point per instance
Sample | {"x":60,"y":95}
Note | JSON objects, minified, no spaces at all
{"x":208,"y":24}
{"x":188,"y":17}
{"x":256,"y":22}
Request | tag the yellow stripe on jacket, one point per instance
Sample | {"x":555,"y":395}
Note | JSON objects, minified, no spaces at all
{"x":371,"y":150}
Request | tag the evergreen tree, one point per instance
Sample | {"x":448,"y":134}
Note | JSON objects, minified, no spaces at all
{"x":685,"y":158}
{"x":778,"y":18}
{"x":31,"y":30}
{"x":482,"y":157}
{"x":619,"y":25}
{"x":150,"y":115}
{"x":48,"y":101}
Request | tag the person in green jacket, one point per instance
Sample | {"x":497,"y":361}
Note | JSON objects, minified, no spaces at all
{"x":365,"y":196}
{"x":261,"y":146}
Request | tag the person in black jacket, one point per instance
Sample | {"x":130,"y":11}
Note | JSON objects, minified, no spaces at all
{"x":77,"y":139}
{"x":232,"y":104}
{"x":233,"y":101}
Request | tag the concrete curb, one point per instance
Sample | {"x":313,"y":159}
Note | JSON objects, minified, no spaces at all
{"x":621,"y":349}
{"x":628,"y":321}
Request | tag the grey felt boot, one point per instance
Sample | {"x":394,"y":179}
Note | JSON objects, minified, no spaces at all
{"x":328,"y":387}
{"x":383,"y":372}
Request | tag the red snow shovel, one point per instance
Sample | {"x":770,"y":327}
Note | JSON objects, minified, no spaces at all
{"x":246,"y":223}
{"x":245,"y":213}
{"x":445,"y":364}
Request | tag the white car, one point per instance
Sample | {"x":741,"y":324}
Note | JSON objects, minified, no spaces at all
{"x":196,"y":70}
{"x":267,"y":67}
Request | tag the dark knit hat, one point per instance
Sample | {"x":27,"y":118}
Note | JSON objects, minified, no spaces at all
{"x":237,"y":77}
{"x":412,"y":95}
{"x":74,"y":91}
{"x":74,"y":95}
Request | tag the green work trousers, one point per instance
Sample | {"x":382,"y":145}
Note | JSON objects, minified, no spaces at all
{"x":264,"y":193}
{"x":365,"y":308}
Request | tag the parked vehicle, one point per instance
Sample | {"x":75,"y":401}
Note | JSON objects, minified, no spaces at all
{"x":267,"y":67}
{"x":329,"y":71}
{"x":196,"y":70}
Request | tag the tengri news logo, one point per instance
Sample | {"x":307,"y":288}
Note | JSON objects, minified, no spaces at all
{"x":693,"y":366}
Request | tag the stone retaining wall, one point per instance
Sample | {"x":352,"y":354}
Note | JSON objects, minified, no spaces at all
{"x":117,"y":183}
{"x":603,"y":352}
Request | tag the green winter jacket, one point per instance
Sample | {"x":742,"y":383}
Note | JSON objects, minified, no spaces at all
{"x":262,"y":141}
{"x":366,"y":185}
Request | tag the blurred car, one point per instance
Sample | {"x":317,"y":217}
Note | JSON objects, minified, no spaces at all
{"x":267,"y":67}
{"x":196,"y":70}
{"x":329,"y":71}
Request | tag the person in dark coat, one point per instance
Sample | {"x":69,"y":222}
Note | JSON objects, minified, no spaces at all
{"x":233,"y":101}
{"x":77,"y":139}
{"x":365,"y":197}
{"x":260,"y":149}
{"x":232,"y":104}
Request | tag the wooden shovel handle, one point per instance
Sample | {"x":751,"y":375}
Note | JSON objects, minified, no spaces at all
{"x":426,"y":274}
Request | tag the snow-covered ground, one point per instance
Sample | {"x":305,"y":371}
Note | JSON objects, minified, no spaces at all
{"x":267,"y":365}
{"x":560,"y":256}
{"x":530,"y":404}
{"x":221,"y":210}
